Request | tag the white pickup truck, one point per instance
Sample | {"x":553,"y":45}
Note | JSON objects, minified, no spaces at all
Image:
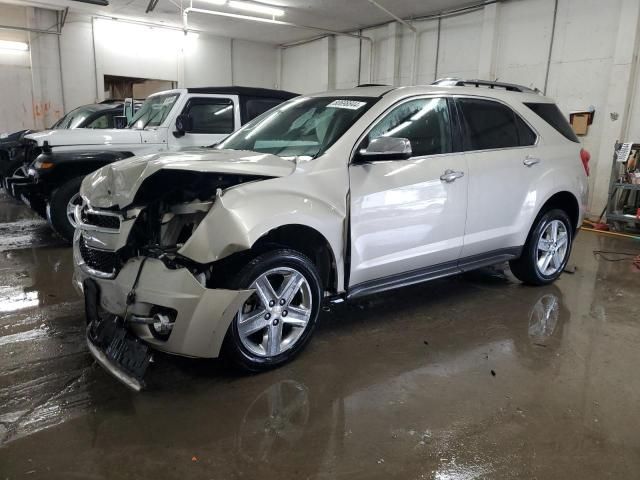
{"x":56,"y":161}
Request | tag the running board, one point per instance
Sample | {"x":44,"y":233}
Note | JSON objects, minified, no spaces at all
{"x":432,"y":273}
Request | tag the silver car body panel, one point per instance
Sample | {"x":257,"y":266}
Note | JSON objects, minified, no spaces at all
{"x":330,"y":195}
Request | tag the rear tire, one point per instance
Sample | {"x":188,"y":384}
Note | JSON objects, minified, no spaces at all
{"x":277,"y":321}
{"x":547,"y":250}
{"x":59,"y":208}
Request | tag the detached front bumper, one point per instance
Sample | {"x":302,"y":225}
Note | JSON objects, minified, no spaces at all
{"x":203,"y":315}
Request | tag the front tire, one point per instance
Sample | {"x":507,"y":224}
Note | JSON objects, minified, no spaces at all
{"x":60,"y":208}
{"x":277,"y":321}
{"x":546,"y":253}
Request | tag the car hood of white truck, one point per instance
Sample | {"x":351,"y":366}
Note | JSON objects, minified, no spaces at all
{"x":116,"y":184}
{"x":86,"y":136}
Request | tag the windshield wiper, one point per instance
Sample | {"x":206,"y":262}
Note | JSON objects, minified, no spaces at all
{"x":151,"y":117}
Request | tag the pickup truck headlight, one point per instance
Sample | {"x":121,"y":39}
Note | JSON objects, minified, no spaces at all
{"x":43,"y":165}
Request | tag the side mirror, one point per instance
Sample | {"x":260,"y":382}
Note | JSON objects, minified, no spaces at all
{"x":385,"y":148}
{"x":184,"y":124}
{"x":120,"y":121}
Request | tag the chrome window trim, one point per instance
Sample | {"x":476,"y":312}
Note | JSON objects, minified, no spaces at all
{"x":462,"y":152}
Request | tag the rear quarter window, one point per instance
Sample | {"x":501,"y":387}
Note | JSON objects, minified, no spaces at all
{"x":551,"y":114}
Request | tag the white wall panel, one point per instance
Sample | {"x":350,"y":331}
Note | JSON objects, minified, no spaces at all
{"x":16,"y":108}
{"x":254,"y":64}
{"x":460,"y":45}
{"x":207,"y":60}
{"x":305,"y":67}
{"x":78,"y":67}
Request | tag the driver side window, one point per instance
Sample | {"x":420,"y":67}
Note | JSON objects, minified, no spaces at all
{"x":425,"y":122}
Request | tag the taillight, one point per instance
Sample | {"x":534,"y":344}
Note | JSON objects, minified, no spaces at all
{"x":585,"y":156}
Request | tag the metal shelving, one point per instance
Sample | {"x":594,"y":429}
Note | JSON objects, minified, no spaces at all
{"x":623,"y":197}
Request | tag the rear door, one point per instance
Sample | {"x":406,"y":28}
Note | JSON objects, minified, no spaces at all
{"x":503,"y":170}
{"x":407,"y":215}
{"x":214,"y":118}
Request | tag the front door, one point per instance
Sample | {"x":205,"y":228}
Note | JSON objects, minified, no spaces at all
{"x":409,"y":215}
{"x":214,"y":118}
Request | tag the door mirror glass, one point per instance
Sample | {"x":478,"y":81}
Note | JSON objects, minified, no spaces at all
{"x":184,"y":124}
{"x":120,"y":121}
{"x":386,"y":148}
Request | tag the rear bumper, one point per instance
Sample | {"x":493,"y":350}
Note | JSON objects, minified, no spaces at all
{"x":203,"y":315}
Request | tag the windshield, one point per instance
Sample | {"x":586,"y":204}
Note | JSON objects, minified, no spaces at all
{"x":153,"y":111}
{"x":75,"y":118}
{"x":300,"y":127}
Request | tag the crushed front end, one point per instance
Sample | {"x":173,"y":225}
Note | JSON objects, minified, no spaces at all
{"x":140,"y":292}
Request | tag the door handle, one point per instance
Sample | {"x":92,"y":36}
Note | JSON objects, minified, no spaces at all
{"x":530,"y":161}
{"x":451,"y":176}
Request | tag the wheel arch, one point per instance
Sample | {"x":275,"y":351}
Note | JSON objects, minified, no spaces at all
{"x":565,"y":201}
{"x":308,"y":241}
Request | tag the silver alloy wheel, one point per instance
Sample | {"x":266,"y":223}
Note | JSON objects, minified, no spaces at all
{"x":71,"y":208}
{"x":552,"y":249}
{"x":275,"y":317}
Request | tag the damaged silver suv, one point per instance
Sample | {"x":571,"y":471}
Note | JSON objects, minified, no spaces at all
{"x":231,"y":251}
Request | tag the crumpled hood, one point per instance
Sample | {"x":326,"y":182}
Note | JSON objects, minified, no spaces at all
{"x":87,"y":136}
{"x":116,"y":184}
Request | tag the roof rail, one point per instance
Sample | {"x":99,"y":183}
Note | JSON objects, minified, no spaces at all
{"x":457,"y":82}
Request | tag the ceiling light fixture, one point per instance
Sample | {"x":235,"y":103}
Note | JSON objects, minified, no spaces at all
{"x":9,"y":45}
{"x":257,"y":8}
{"x":214,"y":2}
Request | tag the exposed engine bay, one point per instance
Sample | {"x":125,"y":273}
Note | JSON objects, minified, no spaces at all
{"x":165,"y":212}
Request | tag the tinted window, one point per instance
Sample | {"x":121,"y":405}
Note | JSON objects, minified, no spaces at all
{"x":489,"y":124}
{"x":104,"y":120}
{"x":425,"y":122}
{"x":551,"y":114}
{"x":255,"y":107}
{"x":304,"y":127}
{"x":525,"y":134}
{"x":211,"y":115}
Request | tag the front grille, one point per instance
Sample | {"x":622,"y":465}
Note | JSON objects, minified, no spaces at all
{"x":100,"y":220}
{"x":31,"y":150}
{"x":100,"y":260}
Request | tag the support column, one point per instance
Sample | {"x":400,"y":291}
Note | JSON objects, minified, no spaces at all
{"x":622,"y":78}
{"x":45,"y":69}
{"x":331,"y":62}
{"x":488,"y":43}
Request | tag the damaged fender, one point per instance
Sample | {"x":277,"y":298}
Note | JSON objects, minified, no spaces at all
{"x":238,"y":219}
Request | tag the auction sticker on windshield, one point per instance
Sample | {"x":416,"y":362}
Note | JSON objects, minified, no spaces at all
{"x":348,"y":104}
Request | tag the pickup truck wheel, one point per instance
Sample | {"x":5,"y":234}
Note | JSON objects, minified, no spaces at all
{"x":277,"y":321}
{"x":546,"y":253}
{"x":61,"y":206}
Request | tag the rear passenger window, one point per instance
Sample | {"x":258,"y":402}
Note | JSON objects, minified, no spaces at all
{"x":425,"y":122}
{"x":551,"y":114}
{"x":491,"y":125}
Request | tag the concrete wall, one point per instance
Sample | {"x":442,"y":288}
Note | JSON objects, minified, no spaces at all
{"x":60,"y":73}
{"x":593,"y":59}
{"x":16,"y":102}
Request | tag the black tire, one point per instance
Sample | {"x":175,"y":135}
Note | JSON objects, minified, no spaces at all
{"x":233,"y":350}
{"x":57,"y":208}
{"x":526,"y":267}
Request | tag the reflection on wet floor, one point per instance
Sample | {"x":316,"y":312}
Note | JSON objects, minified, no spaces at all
{"x":469,"y":377}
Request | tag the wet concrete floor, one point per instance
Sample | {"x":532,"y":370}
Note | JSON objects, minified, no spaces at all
{"x":469,"y":377}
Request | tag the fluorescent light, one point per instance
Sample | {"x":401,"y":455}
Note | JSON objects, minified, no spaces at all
{"x":214,"y":2}
{"x":255,"y":7}
{"x":9,"y":45}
